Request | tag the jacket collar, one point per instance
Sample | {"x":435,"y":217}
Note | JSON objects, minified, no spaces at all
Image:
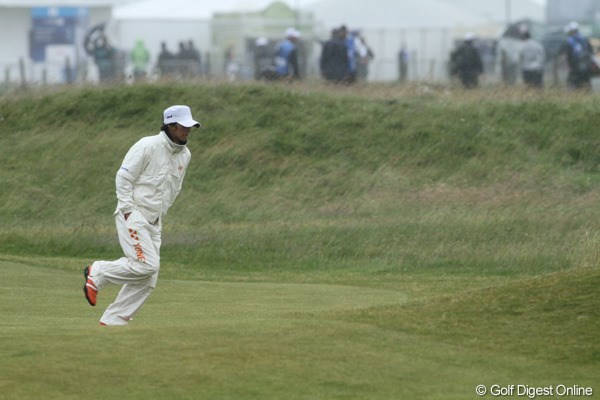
{"x":171,"y":146}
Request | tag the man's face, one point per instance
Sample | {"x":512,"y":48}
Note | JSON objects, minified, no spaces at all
{"x":180,"y":133}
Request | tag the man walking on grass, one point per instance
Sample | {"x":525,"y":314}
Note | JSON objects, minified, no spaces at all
{"x":148,"y":182}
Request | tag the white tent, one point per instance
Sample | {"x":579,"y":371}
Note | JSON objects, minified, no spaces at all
{"x":423,"y":13}
{"x":502,"y":11}
{"x":426,"y":28}
{"x":185,"y":9}
{"x":174,"y":21}
{"x":392,"y":14}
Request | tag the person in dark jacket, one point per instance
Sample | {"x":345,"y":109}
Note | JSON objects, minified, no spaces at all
{"x":105,"y":57}
{"x":334,"y":58}
{"x":578,"y":51}
{"x":466,"y":62}
{"x":166,"y":61}
{"x":264,"y":67}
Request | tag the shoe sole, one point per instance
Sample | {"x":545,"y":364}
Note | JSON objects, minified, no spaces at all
{"x":86,"y":272}
{"x":85,"y":290}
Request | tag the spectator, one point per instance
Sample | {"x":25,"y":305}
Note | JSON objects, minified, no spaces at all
{"x":140,"y":56}
{"x":578,"y":51}
{"x":232,"y":68}
{"x":350,"y":48}
{"x":533,"y":57}
{"x":364,"y":56}
{"x":195,"y":59}
{"x":105,"y":58}
{"x":466,"y":62}
{"x":183,"y":61}
{"x":334,"y":58}
{"x":286,"y":56}
{"x":509,"y":50}
{"x":166,"y":61}
{"x":263,"y":60}
{"x":403,"y":58}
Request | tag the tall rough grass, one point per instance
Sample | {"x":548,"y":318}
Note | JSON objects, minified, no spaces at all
{"x":295,"y":176}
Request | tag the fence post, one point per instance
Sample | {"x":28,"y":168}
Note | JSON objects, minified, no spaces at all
{"x":69,"y":78}
{"x":403,"y":59}
{"x":431,"y":75}
{"x":415,"y":64}
{"x":208,"y":67}
{"x":22,"y":72}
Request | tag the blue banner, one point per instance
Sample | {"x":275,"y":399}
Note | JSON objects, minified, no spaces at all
{"x":54,"y":26}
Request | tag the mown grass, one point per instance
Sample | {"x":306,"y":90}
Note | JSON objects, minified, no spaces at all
{"x":300,"y":341}
{"x":375,"y":242}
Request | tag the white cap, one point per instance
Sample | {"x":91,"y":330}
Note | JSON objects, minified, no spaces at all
{"x":293,"y":33}
{"x":181,"y":115}
{"x":571,"y":26}
{"x":261,"y":41}
{"x":469,"y":36}
{"x":523,"y":29}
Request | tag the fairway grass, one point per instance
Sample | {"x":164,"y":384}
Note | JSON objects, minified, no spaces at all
{"x":253,"y":340}
{"x":329,"y":243}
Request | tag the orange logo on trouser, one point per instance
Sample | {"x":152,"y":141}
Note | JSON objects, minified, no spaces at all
{"x":139,"y":252}
{"x":133,"y":234}
{"x":138,"y":247}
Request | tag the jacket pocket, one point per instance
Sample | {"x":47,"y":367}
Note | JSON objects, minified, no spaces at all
{"x":135,"y":219}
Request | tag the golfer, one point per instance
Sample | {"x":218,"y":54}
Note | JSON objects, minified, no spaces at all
{"x":148,"y":182}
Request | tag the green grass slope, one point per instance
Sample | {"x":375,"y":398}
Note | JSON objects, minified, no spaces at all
{"x":374,"y":242}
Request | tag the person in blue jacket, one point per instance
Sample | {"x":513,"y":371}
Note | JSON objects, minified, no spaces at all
{"x":579,"y":51}
{"x":286,"y":56}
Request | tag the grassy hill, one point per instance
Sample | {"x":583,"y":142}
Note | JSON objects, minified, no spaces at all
{"x":373,"y":242}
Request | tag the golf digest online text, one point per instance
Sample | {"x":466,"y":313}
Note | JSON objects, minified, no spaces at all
{"x":533,"y":392}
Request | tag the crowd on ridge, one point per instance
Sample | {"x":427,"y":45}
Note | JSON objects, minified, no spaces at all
{"x":344,"y":59}
{"x":466,"y":63}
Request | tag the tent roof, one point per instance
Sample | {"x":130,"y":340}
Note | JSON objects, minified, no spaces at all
{"x":185,"y":9}
{"x":354,"y":13}
{"x":388,"y":14}
{"x":496,"y":10}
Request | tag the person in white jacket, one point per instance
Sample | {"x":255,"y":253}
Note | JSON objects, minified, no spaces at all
{"x":148,"y":181}
{"x":533,"y":60}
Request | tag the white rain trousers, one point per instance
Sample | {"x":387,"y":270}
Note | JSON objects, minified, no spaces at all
{"x":148,"y":182}
{"x":137,"y":271}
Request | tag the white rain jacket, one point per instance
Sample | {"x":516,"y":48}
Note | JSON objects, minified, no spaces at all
{"x":533,"y":56}
{"x":151,"y":176}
